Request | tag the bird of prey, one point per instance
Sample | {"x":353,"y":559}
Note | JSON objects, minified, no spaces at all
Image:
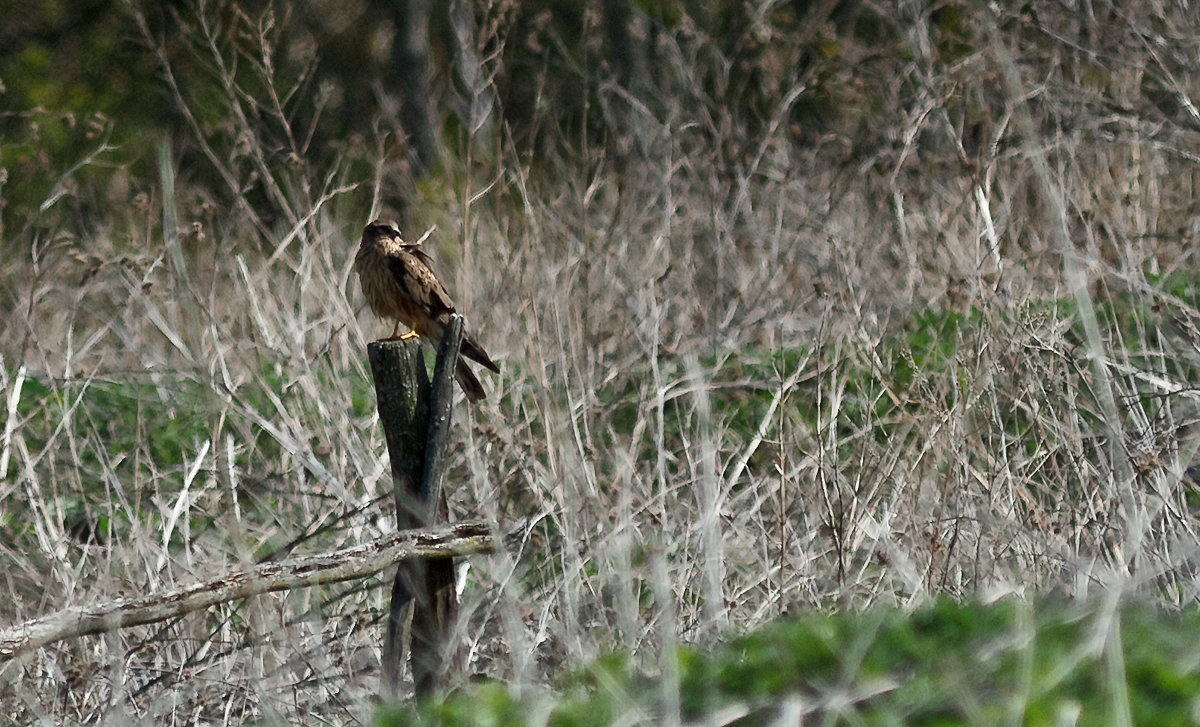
{"x":399,"y":283}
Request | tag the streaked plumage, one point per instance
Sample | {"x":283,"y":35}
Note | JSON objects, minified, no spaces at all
{"x":399,"y":283}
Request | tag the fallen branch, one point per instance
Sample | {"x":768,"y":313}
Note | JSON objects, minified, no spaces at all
{"x":342,"y":565}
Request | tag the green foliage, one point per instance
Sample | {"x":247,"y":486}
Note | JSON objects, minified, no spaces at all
{"x":945,"y":664}
{"x":125,"y":415}
{"x":954,"y":37}
{"x":145,"y":430}
{"x":132,"y":430}
{"x":925,"y":366}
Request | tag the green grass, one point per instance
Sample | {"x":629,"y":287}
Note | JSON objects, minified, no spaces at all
{"x":948,"y":663}
{"x":147,"y":429}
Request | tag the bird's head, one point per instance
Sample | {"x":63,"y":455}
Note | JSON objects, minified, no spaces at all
{"x":380,"y":230}
{"x":387,"y":232}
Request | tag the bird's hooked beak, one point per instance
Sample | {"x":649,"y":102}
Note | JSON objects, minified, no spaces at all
{"x":383,"y":227}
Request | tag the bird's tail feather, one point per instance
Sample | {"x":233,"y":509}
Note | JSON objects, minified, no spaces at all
{"x":472,"y":350}
{"x":470,"y":385}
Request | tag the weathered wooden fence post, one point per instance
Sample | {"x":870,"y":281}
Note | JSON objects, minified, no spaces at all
{"x":416,"y":422}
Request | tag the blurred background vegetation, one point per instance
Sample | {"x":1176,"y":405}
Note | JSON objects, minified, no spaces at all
{"x":336,"y":84}
{"x":333,"y":88}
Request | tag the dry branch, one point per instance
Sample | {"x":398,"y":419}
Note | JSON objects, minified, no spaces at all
{"x":342,"y":565}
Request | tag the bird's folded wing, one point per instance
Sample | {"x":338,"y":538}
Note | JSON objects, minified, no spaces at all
{"x":417,"y":281}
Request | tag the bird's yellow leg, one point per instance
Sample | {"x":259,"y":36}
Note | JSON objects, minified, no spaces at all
{"x":396,"y":334}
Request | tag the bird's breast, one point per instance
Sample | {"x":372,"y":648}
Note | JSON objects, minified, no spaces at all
{"x":379,"y":286}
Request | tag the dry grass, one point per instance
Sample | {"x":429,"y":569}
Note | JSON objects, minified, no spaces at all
{"x":701,"y":422}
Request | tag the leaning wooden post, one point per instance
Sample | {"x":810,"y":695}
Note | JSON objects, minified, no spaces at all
{"x":416,"y":422}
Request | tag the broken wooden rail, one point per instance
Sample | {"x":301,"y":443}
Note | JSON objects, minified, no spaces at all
{"x":341,"y":565}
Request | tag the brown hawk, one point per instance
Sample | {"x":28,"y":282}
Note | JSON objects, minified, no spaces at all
{"x":399,"y":283}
